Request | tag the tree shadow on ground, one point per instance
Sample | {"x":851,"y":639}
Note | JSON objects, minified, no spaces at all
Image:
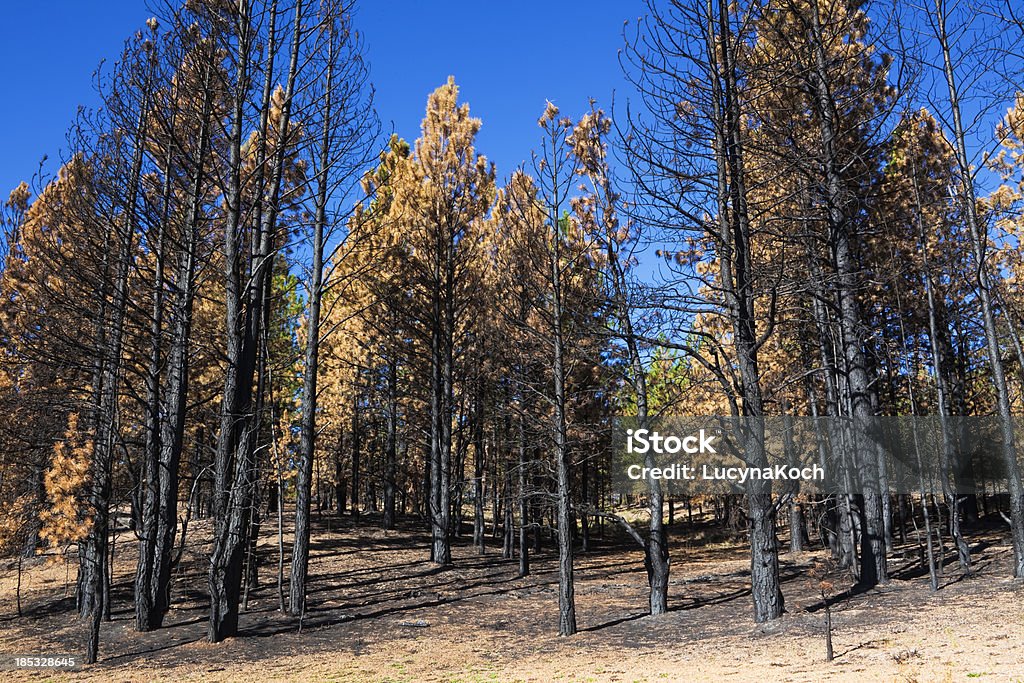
{"x":363,"y":576}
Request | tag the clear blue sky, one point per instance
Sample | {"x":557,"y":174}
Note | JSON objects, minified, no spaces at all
{"x":507,"y":57}
{"x":48,"y":54}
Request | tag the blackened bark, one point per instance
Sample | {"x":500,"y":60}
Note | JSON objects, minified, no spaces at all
{"x":34,"y":525}
{"x":565,"y":525}
{"x":307,"y":443}
{"x":150,"y":486}
{"x":508,"y":516}
{"x":841,"y":511}
{"x":357,"y":449}
{"x":585,"y":499}
{"x":441,"y":401}
{"x":524,"y":503}
{"x":982,"y":278}
{"x":176,"y":395}
{"x":225,"y":561}
{"x":478,"y":476}
{"x":873,"y":569}
{"x":391,"y":446}
{"x":235,"y":460}
{"x":340,"y":482}
{"x":738,"y":281}
{"x":93,"y":578}
{"x":940,"y":367}
{"x":797,"y":526}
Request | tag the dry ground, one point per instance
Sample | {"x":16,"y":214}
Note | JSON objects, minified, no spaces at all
{"x":380,"y":612}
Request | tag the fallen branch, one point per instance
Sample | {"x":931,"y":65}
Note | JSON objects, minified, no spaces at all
{"x":621,"y":521}
{"x":782,"y":502}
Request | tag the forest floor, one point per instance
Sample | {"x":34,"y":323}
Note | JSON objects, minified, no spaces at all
{"x":380,"y":612}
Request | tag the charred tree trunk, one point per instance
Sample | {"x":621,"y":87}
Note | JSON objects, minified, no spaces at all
{"x":307,"y":444}
{"x":441,"y":402}
{"x":391,"y":446}
{"x":176,"y":395}
{"x":982,"y":278}
{"x":145,"y":613}
{"x":566,"y":592}
{"x":939,"y":365}
{"x":93,"y":574}
{"x":873,"y":568}
{"x":235,"y":458}
{"x":738,"y":279}
{"x":524,"y":502}
{"x":478,"y":477}
{"x":357,"y":450}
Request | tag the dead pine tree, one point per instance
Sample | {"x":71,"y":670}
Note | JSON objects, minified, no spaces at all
{"x":979,"y":67}
{"x":183,"y":126}
{"x":111,"y":205}
{"x":555,"y":172}
{"x":544,"y":256}
{"x":598,"y":209}
{"x":689,"y":164}
{"x":250,"y":240}
{"x":822,"y":573}
{"x":343,"y":125}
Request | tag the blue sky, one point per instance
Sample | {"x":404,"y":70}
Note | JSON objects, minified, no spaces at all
{"x":48,"y":54}
{"x":507,"y":57}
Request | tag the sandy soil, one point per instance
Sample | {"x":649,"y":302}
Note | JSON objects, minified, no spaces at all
{"x":380,"y":612}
